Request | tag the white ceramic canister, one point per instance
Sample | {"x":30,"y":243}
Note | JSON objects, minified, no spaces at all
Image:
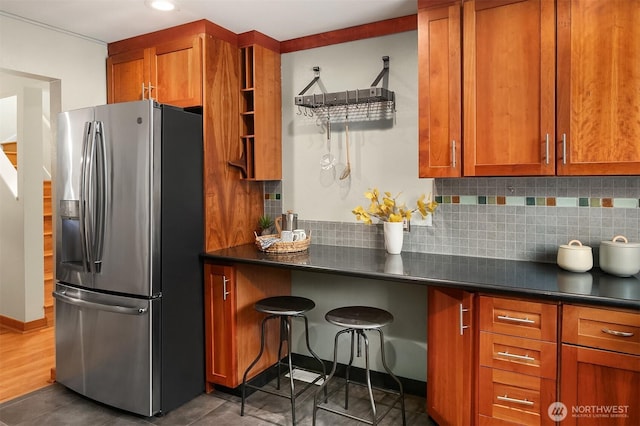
{"x":575,"y":257}
{"x":620,"y":257}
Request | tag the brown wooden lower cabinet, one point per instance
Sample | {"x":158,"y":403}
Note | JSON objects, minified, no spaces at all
{"x":232,"y":325}
{"x":599,"y":387}
{"x":508,"y":398}
{"x":517,"y":358}
{"x":450,"y":356}
{"x":600,"y":366}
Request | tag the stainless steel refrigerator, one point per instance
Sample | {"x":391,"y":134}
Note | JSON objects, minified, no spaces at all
{"x":129,"y":233}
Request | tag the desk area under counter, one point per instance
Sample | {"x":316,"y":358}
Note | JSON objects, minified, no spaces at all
{"x":454,"y":293}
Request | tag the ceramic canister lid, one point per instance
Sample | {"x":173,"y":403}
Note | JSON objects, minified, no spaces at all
{"x":620,"y":241}
{"x":578,"y":246}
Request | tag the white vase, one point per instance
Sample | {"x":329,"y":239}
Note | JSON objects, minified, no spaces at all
{"x":393,"y":236}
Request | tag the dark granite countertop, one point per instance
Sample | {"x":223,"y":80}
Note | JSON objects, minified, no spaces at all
{"x":493,"y":276}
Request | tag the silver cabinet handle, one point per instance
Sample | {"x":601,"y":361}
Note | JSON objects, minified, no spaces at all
{"x":524,"y":357}
{"x":546,"y":148}
{"x":462,"y":326}
{"x":453,"y":153}
{"x":150,"y":89}
{"x":617,"y":333}
{"x":564,"y":148}
{"x":513,"y":319}
{"x":517,"y":401}
{"x":225,"y":293}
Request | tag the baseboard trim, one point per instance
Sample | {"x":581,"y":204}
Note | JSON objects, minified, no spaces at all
{"x":383,"y":380}
{"x":22,"y":327}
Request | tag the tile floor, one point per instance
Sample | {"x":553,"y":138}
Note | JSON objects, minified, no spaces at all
{"x":57,"y":406}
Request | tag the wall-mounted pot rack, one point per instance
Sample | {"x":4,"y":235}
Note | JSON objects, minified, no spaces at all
{"x":372,"y":102}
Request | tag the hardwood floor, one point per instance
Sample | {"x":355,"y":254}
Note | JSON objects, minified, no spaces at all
{"x":26,"y":361}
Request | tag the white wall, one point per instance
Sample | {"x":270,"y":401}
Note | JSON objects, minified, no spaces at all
{"x":75,"y":70}
{"x":79,"y":63}
{"x":383,"y":155}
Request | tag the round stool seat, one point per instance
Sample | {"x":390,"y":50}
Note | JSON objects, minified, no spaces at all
{"x":284,"y":305}
{"x":359,"y":317}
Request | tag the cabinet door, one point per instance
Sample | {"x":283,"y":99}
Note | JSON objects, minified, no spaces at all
{"x":449,"y":356}
{"x":440,"y":103}
{"x":509,"y":87}
{"x":220,"y":326}
{"x":599,"y":387}
{"x":598,"y":87}
{"x":127,"y":76}
{"x":267,"y":149}
{"x":176,"y":72}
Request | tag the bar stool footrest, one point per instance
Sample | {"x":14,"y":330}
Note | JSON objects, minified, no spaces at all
{"x":299,"y":392}
{"x":360,"y":419}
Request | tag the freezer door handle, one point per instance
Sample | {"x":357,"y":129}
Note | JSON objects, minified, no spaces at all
{"x":60,"y":295}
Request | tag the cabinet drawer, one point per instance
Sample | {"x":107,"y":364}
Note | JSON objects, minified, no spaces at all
{"x":601,"y":328}
{"x":525,"y":356}
{"x":512,"y":397}
{"x":521,"y":318}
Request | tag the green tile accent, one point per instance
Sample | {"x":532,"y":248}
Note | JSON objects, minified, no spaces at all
{"x":583,"y":202}
{"x":482,"y":199}
{"x":594,"y":202}
{"x":277,"y":196}
{"x":515,"y":201}
{"x":468,"y":199}
{"x":566,"y":202}
{"x":439,"y":199}
{"x":625,"y":203}
{"x":541,"y":201}
{"x":491,"y":200}
{"x":531,"y":201}
{"x":447,"y":199}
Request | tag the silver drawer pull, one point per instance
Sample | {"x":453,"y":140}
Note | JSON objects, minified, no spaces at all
{"x":617,"y":333}
{"x":513,"y":319}
{"x":525,"y":357}
{"x":517,"y":401}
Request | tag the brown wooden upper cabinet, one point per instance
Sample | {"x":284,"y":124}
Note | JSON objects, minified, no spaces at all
{"x":440,"y":80}
{"x":170,"y":73}
{"x":530,"y":107}
{"x":598,"y":130}
{"x":260,"y":108}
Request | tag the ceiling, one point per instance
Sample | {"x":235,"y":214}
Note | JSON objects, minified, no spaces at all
{"x":113,"y":20}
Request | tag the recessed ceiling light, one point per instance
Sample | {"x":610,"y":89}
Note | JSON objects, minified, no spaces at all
{"x":163,"y":5}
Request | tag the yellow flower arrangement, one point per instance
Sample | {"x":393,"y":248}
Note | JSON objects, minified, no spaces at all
{"x":389,"y":211}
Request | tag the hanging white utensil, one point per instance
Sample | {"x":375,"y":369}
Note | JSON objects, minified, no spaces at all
{"x":328,"y":161}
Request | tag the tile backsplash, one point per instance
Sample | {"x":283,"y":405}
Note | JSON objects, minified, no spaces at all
{"x":509,"y":218}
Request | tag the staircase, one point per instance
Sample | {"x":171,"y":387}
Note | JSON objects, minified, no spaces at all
{"x":11,"y":151}
{"x":48,"y":251}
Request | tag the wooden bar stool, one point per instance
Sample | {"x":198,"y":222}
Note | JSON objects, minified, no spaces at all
{"x":284,"y":308}
{"x":357,"y":320}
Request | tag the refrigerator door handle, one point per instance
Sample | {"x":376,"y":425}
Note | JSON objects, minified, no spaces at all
{"x":100,"y":201}
{"x":60,"y":295}
{"x":84,"y":188}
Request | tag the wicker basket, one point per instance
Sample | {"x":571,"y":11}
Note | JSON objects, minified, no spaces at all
{"x":284,"y":247}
